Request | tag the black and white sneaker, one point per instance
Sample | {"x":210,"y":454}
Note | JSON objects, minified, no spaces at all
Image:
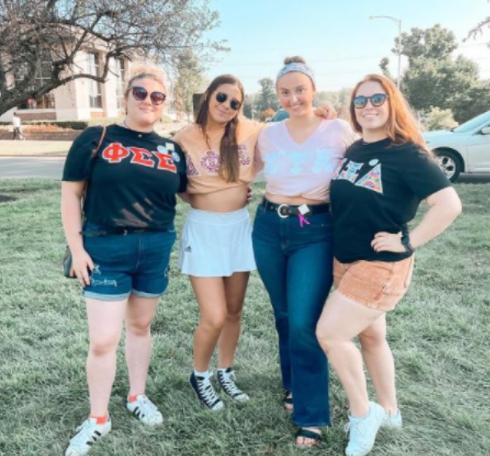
{"x":205,"y":392}
{"x":226,"y":380}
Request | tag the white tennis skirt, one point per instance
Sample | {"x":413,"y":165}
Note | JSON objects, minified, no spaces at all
{"x":216,"y":244}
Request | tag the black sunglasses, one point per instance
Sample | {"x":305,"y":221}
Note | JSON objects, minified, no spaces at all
{"x":140,"y":94}
{"x":376,"y":100}
{"x":222,"y":97}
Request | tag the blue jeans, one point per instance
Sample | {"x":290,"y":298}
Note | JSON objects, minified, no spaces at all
{"x":295,"y":265}
{"x":128,"y":264}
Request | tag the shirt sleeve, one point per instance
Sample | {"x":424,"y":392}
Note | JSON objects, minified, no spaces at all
{"x":181,"y":169}
{"x":422,"y":174}
{"x":78,"y":161}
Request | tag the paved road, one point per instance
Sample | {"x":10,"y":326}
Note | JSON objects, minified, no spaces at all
{"x":50,"y":168}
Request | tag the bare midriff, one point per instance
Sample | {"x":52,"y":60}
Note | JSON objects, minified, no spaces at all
{"x":292,"y":200}
{"x":226,"y":200}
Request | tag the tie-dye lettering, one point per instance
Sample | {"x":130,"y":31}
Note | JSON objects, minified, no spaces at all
{"x":372,"y":180}
{"x":351,"y":172}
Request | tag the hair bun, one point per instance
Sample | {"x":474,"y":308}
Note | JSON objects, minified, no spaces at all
{"x":294,"y":59}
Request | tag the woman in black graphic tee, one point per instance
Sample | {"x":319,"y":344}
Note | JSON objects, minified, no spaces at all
{"x":375,"y":192}
{"x":121,"y":249}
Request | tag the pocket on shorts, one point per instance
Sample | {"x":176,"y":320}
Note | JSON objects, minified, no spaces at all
{"x":369,"y":279}
{"x":402,"y":276}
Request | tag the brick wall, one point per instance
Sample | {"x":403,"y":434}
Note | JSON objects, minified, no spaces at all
{"x":44,"y":136}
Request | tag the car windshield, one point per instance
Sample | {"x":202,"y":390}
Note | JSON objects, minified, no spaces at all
{"x":478,"y":121}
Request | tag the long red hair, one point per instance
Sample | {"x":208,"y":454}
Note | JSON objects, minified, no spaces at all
{"x":401,"y":126}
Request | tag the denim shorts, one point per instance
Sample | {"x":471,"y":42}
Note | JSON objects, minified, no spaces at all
{"x":128,"y":264}
{"x":376,"y":284}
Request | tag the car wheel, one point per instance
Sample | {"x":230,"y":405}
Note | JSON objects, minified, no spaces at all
{"x":450,"y":163}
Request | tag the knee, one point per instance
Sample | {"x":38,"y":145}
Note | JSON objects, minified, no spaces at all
{"x":325,"y":338}
{"x":138,"y":328}
{"x":234,"y":314}
{"x":214,"y":323}
{"x":103,"y":346}
{"x":372,"y":340}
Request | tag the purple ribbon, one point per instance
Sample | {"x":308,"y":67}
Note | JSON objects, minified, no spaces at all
{"x":302,"y":219}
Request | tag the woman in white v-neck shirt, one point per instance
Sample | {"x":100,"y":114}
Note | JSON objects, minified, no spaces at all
{"x":292,"y":240}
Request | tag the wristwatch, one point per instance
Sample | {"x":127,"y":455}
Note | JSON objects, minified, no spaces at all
{"x":406,"y":243}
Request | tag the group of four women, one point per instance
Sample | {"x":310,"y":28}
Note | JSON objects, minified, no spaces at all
{"x":322,"y":183}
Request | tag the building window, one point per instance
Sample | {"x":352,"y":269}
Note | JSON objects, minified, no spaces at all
{"x":94,"y":87}
{"x":120,"y":72}
{"x":41,"y":77}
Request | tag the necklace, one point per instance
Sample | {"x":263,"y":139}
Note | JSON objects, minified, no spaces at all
{"x":125,"y":125}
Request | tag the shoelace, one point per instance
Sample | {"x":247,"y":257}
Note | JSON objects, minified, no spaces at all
{"x":146,"y":406}
{"x":207,"y":392}
{"x":85,"y":434}
{"x":229,"y":385}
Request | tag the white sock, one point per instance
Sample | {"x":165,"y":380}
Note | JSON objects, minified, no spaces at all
{"x":206,"y":374}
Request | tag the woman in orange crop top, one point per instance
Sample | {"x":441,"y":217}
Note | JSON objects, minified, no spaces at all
{"x":216,"y":245}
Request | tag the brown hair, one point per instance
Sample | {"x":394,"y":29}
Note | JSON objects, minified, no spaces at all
{"x":401,"y":126}
{"x":229,"y":167}
{"x":294,"y":59}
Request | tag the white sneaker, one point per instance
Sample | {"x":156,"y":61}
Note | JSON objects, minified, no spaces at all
{"x":226,"y":380}
{"x":362,"y":431}
{"x":392,"y":421}
{"x":145,"y":410}
{"x":86,"y":435}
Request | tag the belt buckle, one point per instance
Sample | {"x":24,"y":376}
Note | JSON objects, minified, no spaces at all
{"x":280,"y":213}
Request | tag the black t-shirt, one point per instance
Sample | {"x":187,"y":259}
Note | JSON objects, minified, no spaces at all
{"x":378,"y":187}
{"x":133,"y":180}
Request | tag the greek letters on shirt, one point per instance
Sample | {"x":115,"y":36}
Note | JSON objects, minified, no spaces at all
{"x":371,"y":180}
{"x":210,"y":161}
{"x":162,"y":158}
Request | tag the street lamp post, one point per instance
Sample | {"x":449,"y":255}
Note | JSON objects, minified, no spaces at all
{"x":399,"y":22}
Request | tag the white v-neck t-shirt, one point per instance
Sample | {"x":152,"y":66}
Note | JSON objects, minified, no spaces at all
{"x":292,"y":169}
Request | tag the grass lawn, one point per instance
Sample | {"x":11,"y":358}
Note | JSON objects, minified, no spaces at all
{"x":439,"y":333}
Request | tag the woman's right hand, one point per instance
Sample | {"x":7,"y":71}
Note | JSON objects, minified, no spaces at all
{"x":82,"y":266}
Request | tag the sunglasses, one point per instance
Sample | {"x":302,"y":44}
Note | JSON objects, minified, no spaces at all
{"x":140,"y":94}
{"x":376,"y":100}
{"x":222,"y":97}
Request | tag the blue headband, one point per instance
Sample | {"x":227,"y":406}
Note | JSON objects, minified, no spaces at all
{"x":296,"y":66}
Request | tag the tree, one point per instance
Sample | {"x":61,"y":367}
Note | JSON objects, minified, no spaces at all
{"x":385,"y":62}
{"x":479,"y":27}
{"x":267,"y":96}
{"x":434,"y":78}
{"x":432,"y":43}
{"x":190,"y":80}
{"x":439,"y":119}
{"x":45,"y":37}
{"x":266,"y":115}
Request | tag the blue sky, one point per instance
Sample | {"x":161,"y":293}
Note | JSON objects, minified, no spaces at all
{"x":335,"y":37}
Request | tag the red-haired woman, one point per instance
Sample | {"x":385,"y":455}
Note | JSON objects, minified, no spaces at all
{"x":375,"y":192}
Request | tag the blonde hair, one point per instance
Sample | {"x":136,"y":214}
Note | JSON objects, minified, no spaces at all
{"x":144,"y":72}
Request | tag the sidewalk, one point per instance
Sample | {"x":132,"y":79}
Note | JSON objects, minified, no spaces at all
{"x":27,"y":148}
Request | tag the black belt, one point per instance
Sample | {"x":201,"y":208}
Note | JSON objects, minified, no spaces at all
{"x":117,"y":231}
{"x":285,"y":210}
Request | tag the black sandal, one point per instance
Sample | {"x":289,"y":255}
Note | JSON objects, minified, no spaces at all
{"x":288,"y":401}
{"x":307,"y":434}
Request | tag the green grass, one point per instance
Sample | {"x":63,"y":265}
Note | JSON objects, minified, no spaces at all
{"x":439,"y":333}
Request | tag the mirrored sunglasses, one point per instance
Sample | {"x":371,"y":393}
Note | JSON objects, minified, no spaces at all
{"x":376,"y":100}
{"x":140,"y":94}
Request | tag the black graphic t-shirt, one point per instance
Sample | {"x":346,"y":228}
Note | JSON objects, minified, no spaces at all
{"x":378,"y":187}
{"x":133,"y":181}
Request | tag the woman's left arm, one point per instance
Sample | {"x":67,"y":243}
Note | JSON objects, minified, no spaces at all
{"x":444,"y":207}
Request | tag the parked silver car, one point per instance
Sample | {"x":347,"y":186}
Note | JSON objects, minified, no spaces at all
{"x":464,"y":149}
